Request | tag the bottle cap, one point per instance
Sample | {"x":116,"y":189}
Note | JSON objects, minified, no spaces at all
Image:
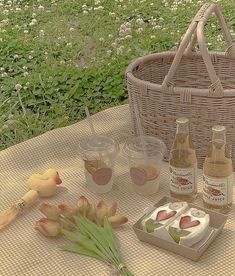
{"x":182,"y":120}
{"x":218,"y":128}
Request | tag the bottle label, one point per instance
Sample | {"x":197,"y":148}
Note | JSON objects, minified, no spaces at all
{"x":218,"y":191}
{"x":183,"y":180}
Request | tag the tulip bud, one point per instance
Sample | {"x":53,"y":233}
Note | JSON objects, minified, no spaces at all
{"x":83,"y":205}
{"x":67,"y":210}
{"x":101,"y":212}
{"x":48,"y":227}
{"x":117,"y":220}
{"x":50,"y":211}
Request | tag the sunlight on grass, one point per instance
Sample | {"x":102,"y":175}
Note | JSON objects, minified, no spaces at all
{"x":57,"y":56}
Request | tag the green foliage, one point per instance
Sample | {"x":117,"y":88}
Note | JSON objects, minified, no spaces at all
{"x":63,"y":58}
{"x":176,"y":233}
{"x":95,"y":241}
{"x":151,"y":225}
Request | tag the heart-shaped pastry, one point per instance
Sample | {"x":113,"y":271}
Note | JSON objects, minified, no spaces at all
{"x":187,"y":222}
{"x":163,"y":215}
{"x":138,"y":176}
{"x":102,"y":176}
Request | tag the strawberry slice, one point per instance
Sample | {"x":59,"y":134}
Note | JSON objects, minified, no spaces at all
{"x":138,"y":176}
{"x":102,"y":176}
{"x":163,"y":215}
{"x":187,"y":222}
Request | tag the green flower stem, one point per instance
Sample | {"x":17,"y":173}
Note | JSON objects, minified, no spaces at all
{"x":94,"y":241}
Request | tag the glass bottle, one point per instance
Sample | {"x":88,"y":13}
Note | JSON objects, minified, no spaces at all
{"x":183,"y":164}
{"x":218,"y":173}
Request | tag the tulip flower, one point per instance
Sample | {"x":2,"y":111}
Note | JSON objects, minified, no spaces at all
{"x":50,"y":211}
{"x":48,"y":228}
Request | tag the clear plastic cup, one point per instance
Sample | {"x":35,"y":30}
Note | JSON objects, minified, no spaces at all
{"x":99,"y":154}
{"x":145,"y":155}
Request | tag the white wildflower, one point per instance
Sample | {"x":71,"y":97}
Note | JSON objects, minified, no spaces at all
{"x":18,"y":87}
{"x":71,"y":29}
{"x":26,"y":31}
{"x":5,"y":127}
{"x":139,"y":30}
{"x":100,"y":8}
{"x":41,"y":33}
{"x":120,"y":50}
{"x":85,"y":12}
{"x":128,"y":36}
{"x":139,"y":21}
{"x":41,"y":8}
{"x":157,"y":27}
{"x":10,"y":122}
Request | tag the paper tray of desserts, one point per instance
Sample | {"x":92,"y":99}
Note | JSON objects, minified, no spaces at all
{"x":183,"y":228}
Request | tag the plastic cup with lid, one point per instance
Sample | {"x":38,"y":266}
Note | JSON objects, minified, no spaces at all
{"x":99,"y":154}
{"x":145,"y":155}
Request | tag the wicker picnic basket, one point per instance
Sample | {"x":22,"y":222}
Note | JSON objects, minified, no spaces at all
{"x":199,"y":85}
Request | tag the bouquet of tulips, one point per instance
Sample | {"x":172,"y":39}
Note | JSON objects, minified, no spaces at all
{"x":88,"y":226}
{"x":54,"y":221}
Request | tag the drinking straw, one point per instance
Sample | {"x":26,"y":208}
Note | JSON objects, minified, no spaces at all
{"x":88,"y":116}
{"x":140,"y":131}
{"x":90,"y":122}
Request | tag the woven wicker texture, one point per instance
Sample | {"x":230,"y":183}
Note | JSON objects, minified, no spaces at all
{"x":200,"y":86}
{"x":24,"y":252}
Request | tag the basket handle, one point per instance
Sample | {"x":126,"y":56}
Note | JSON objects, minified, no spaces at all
{"x":195,"y":33}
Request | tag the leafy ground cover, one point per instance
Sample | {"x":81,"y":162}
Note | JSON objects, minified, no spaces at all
{"x":61,"y":55}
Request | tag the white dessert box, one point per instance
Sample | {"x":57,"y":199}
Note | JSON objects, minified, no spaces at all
{"x":161,"y":230}
{"x":201,"y":242}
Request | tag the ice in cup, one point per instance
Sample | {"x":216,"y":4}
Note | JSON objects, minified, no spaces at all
{"x":99,"y":155}
{"x":145,"y":155}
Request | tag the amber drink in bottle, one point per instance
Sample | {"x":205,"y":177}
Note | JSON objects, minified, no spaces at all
{"x":218,"y":173}
{"x":183,"y":164}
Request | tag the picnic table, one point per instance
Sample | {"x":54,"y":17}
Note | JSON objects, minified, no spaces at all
{"x":24,"y":251}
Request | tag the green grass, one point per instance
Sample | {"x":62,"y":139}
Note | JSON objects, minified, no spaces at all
{"x":67,"y":60}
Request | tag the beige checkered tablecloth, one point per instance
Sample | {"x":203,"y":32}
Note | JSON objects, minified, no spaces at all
{"x":23,"y":251}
